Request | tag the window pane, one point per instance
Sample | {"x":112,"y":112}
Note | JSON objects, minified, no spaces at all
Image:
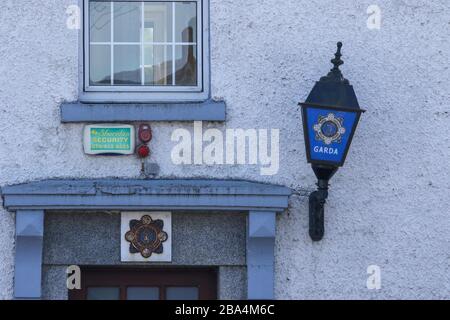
{"x":158,"y":65}
{"x":158,"y":22}
{"x":127,"y":21}
{"x":182,"y":293}
{"x":127,"y":65}
{"x":146,"y":49}
{"x":98,"y":293}
{"x":185,"y":22}
{"x":186,"y":65}
{"x":100,"y":65}
{"x":100,"y":21}
{"x":143,"y":293}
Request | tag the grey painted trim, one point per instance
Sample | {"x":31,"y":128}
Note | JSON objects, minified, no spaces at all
{"x":260,"y":255}
{"x":28,"y":259}
{"x":146,"y":194}
{"x":138,"y":186}
{"x":79,"y":112}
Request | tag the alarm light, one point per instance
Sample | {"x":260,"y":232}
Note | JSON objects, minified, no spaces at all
{"x":143,"y":151}
{"x":145,"y":133}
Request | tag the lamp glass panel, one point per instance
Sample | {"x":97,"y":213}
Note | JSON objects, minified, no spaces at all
{"x":329,"y":133}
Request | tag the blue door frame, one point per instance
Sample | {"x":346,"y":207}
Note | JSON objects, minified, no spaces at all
{"x":30,"y":201}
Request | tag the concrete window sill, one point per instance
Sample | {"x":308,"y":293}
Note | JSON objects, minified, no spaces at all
{"x":209,"y":110}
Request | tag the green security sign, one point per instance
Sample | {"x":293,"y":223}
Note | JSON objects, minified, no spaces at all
{"x":109,"y":139}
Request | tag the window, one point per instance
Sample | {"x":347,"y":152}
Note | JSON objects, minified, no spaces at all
{"x":146,"y":284}
{"x":141,"y":51}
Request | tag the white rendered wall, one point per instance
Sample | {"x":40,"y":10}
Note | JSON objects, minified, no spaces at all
{"x":389,"y":206}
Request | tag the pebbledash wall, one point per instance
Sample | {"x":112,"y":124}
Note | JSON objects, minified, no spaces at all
{"x":389,"y":206}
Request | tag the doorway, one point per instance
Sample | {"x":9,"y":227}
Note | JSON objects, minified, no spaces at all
{"x":146,"y":284}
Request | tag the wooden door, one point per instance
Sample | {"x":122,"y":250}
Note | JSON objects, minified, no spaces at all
{"x":146,"y":284}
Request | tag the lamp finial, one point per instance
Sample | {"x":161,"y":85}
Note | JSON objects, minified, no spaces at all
{"x":337,"y":57}
{"x":335,"y":74}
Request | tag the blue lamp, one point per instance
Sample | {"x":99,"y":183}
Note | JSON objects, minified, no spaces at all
{"x":330,"y":115}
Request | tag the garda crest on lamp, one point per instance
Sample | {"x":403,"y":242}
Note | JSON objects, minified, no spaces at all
{"x":330,"y":115}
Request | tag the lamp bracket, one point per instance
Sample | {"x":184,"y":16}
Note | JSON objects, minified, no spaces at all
{"x":317,"y":200}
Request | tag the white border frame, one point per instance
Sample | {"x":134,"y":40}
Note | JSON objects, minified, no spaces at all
{"x":148,"y":94}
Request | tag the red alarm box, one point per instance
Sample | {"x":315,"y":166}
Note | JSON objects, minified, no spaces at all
{"x":145,"y":133}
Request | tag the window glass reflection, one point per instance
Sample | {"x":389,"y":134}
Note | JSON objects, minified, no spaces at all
{"x":158,"y":22}
{"x":185,"y":19}
{"x":158,"y":66}
{"x":182,"y":293}
{"x":186,"y":65}
{"x":100,"y":21}
{"x":142,"y":293}
{"x":100,"y":60}
{"x":127,"y":21}
{"x":127,"y":65}
{"x":99,"y":293}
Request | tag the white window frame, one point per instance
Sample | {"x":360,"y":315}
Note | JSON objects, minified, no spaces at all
{"x":148,"y":94}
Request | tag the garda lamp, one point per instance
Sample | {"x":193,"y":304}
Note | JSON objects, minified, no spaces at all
{"x":330,"y":115}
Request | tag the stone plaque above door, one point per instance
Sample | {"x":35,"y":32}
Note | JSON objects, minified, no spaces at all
{"x":146,"y":236}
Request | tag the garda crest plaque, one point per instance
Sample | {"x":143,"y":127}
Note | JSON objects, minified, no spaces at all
{"x":146,"y":236}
